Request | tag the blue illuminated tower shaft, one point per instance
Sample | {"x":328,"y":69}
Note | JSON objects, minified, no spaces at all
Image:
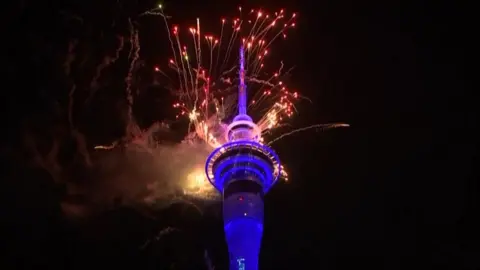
{"x":243,"y":171}
{"x":243,"y":221}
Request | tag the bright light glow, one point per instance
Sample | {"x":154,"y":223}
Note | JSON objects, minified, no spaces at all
{"x":197,"y":184}
{"x":197,"y":179}
{"x":241,"y":263}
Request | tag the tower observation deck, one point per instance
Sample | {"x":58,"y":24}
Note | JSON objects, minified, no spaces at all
{"x":243,"y":170}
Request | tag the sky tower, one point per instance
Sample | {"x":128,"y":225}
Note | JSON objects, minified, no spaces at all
{"x":243,"y":170}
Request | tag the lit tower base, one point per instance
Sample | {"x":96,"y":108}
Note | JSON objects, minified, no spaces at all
{"x":243,"y":170}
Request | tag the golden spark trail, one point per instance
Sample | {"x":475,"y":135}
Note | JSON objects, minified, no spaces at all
{"x":322,"y":126}
{"x":171,"y":43}
{"x":219,"y":46}
{"x":181,"y":58}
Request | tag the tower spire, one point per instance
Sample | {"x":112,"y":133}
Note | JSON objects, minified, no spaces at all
{"x":242,"y":89}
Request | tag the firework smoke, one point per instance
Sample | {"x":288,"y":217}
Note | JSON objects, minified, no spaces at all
{"x":143,"y":167}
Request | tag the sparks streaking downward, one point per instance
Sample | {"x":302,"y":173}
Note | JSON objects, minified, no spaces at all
{"x":206,"y":68}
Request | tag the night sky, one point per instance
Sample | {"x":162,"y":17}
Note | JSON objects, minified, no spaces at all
{"x":396,"y":190}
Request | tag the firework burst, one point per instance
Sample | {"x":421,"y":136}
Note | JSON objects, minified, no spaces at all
{"x":206,"y":68}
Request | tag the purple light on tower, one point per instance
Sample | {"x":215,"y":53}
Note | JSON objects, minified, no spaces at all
{"x":243,"y":170}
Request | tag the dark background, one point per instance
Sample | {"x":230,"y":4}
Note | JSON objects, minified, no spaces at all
{"x":396,"y":190}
